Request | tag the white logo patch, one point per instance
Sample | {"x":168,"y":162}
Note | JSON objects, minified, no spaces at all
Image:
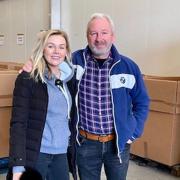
{"x":122,"y":80}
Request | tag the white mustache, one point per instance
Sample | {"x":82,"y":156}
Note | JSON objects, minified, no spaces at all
{"x":100,"y":43}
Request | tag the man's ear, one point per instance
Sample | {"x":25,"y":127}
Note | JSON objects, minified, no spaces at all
{"x":113,"y":37}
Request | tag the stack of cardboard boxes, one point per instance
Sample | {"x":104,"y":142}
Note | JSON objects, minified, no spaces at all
{"x":161,"y":138}
{"x":6,"y":65}
{"x":8,"y":74}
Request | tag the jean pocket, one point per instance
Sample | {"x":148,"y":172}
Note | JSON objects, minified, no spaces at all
{"x":81,"y":139}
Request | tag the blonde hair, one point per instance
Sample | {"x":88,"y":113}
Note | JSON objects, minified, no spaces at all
{"x":100,"y":16}
{"x":39,"y":63}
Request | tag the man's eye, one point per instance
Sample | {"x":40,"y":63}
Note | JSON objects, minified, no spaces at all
{"x":104,"y":33}
{"x":93,"y":33}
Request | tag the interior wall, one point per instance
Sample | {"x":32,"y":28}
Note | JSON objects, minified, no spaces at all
{"x":146,"y":30}
{"x":21,"y":19}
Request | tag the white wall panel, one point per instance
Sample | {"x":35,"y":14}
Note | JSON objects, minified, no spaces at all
{"x":146,"y":30}
{"x":26,"y":17}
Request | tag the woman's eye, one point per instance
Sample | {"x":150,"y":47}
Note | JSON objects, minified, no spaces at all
{"x":50,"y":46}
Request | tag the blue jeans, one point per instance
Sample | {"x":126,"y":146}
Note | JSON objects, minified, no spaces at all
{"x":91,"y":155}
{"x":53,"y":166}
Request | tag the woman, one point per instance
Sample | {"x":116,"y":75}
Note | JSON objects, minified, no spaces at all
{"x":39,"y":131}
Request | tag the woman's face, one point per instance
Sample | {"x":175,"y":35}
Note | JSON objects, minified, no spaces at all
{"x":55,"y":50}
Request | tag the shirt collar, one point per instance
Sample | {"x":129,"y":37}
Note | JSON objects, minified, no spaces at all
{"x":90,"y":57}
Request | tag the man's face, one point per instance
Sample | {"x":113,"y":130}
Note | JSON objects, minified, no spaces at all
{"x":100,"y":37}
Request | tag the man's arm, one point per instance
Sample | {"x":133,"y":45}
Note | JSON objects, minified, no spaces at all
{"x":27,"y":67}
{"x":140,"y":101}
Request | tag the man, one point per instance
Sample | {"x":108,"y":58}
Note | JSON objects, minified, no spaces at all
{"x":112,"y":103}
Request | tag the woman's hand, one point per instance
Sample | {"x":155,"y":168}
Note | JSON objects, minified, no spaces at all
{"x":16,"y":176}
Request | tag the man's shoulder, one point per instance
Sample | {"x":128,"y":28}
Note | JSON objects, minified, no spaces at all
{"x":78,"y":52}
{"x":127,"y":60}
{"x":124,"y":59}
{"x":77,"y":56}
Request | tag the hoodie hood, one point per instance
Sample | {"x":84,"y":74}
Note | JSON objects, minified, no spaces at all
{"x":66,"y":71}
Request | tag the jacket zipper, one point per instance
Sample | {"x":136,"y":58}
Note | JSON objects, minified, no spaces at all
{"x":119,"y":156}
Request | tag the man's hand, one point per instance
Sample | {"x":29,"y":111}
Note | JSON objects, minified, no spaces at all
{"x":27,"y":66}
{"x":129,"y":141}
{"x":16,"y":176}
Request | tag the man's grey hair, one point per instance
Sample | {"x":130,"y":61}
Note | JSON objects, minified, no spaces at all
{"x":101,"y":16}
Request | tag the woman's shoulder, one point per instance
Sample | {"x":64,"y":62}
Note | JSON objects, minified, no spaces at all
{"x":24,"y":78}
{"x":24,"y":74}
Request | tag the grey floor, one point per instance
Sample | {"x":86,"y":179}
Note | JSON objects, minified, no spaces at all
{"x":137,"y":172}
{"x":147,"y":172}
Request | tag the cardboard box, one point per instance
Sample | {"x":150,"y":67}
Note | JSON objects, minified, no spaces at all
{"x":5,"y":115}
{"x":10,"y":65}
{"x":7,"y":79}
{"x":160,"y":141}
{"x":164,"y":94}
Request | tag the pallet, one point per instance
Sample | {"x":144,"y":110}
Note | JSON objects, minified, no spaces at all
{"x":174,"y":170}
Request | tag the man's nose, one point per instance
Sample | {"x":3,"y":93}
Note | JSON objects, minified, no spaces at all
{"x":99,"y":36}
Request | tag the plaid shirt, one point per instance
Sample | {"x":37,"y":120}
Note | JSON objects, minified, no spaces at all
{"x":95,"y":105}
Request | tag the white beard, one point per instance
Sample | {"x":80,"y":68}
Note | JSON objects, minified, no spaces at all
{"x":100,"y":52}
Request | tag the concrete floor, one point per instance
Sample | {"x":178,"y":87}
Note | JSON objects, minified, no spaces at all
{"x":137,"y":172}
